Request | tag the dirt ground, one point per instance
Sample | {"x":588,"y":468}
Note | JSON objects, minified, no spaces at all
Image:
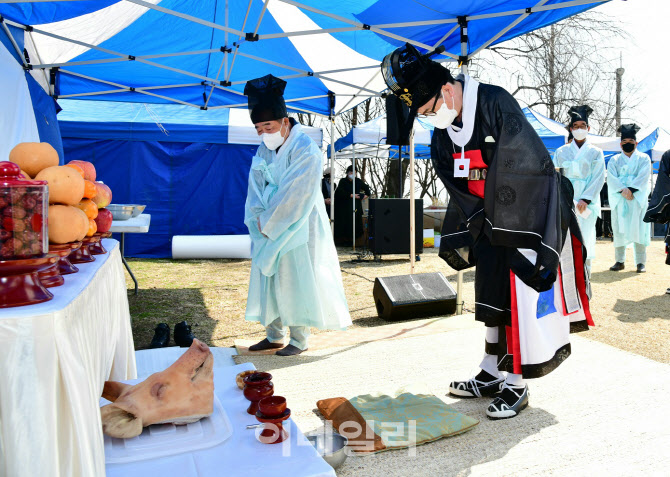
{"x":631,"y":310}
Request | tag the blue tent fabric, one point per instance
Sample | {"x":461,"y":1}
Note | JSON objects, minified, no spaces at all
{"x":139,"y":122}
{"x":30,"y":13}
{"x":146,"y":36}
{"x":17,"y":33}
{"x":45,"y":109}
{"x":480,"y":31}
{"x":188,"y":188}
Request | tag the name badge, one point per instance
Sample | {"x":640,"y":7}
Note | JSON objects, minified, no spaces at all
{"x":462,"y":167}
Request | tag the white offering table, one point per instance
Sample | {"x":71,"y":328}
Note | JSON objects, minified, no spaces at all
{"x":241,"y":454}
{"x":54,"y":360}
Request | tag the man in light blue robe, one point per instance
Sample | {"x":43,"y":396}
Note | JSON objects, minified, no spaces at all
{"x":584,"y":165}
{"x":628,"y":184}
{"x":295,"y":277}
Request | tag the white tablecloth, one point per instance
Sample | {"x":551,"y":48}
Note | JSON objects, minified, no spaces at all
{"x":241,"y":454}
{"x":54,"y":360}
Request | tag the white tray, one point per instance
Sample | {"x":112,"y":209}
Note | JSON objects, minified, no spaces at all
{"x":162,"y":440}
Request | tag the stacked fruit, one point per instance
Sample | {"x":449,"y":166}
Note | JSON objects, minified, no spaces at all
{"x":75,"y":198}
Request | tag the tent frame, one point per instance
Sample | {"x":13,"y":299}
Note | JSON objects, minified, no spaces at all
{"x":460,"y":23}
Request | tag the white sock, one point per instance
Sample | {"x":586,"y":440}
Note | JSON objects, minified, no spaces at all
{"x":492,"y":334}
{"x":490,"y":364}
{"x":515,"y":380}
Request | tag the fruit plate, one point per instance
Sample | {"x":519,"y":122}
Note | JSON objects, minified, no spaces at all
{"x":161,"y":440}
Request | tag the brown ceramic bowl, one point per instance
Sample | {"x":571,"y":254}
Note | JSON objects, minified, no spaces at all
{"x":272,"y":406}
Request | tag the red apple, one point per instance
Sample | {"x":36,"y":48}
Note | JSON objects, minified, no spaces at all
{"x":104,"y":220}
{"x":104,"y":196}
{"x":89,"y":169}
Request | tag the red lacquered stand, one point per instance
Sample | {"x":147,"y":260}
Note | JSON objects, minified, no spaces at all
{"x":65,"y":267}
{"x":82,"y":254}
{"x":273,"y":429}
{"x":19,"y":281}
{"x":96,"y":248}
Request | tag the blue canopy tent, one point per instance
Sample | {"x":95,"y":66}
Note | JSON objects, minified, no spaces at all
{"x":189,"y":167}
{"x":200,"y":54}
{"x":655,"y":144}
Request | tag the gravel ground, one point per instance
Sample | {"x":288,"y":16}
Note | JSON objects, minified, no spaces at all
{"x":631,"y":311}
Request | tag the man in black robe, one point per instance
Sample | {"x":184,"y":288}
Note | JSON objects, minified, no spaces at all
{"x":344,"y":194}
{"x":509,"y":215}
{"x":326,"y":184}
{"x":659,"y":206}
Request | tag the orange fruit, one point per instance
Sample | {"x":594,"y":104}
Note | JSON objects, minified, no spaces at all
{"x":76,"y":168}
{"x":90,"y":189}
{"x":89,"y":208}
{"x":92,"y":228}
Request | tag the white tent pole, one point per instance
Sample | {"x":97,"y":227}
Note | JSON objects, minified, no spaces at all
{"x":237,"y":45}
{"x":366,"y":84}
{"x":14,"y":44}
{"x":225,"y":53}
{"x":260,"y":17}
{"x":332,"y":175}
{"x":353,"y":197}
{"x":507,"y":28}
{"x":447,"y":35}
{"x":464,"y":70}
{"x":412,"y":211}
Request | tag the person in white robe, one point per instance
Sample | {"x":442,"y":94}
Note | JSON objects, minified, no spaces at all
{"x":584,"y":165}
{"x":295,"y":277}
{"x":628,"y":184}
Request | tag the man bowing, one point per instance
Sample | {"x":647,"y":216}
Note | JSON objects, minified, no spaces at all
{"x":295,"y":274}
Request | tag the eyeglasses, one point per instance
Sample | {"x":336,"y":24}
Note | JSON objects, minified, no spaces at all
{"x":431,"y":112}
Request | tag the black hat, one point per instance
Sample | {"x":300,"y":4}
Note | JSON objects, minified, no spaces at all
{"x":413,"y":77}
{"x":579,"y":113}
{"x":266,"y":100}
{"x":628,"y":131}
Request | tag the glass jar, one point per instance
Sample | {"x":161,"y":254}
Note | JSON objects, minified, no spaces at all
{"x":23,"y":209}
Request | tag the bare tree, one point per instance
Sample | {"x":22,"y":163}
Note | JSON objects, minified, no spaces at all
{"x":568,"y":63}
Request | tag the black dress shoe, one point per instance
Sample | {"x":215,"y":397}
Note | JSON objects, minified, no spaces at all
{"x":640,"y":268}
{"x":265,"y":344}
{"x":161,"y":336}
{"x":290,"y":350}
{"x":617,"y":267}
{"x":484,"y":384}
{"x":182,"y":335}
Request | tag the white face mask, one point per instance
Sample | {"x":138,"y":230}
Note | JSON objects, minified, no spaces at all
{"x":350,"y":176}
{"x":580,"y":134}
{"x":273,"y":140}
{"x":444,"y":116}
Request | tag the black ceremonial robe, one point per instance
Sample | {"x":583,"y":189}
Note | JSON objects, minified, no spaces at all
{"x":343,"y":209}
{"x":521,"y":204}
{"x":659,"y":206}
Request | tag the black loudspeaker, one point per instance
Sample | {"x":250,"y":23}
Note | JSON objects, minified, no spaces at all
{"x":398,"y":126}
{"x":388,"y":226}
{"x":414,"y":296}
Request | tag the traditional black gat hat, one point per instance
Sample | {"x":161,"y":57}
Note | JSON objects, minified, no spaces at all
{"x":413,"y":77}
{"x":628,"y":131}
{"x":266,"y":98}
{"x":579,"y":113}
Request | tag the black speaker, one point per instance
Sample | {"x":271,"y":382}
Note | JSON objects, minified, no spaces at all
{"x":388,"y":226}
{"x":414,"y":296}
{"x":398,"y":125}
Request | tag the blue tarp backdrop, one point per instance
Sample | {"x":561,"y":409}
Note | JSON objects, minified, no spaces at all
{"x":191,"y":180}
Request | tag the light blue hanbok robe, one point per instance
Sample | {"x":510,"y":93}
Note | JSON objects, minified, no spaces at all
{"x":295,"y":272}
{"x":627,"y":215}
{"x":585,"y":168}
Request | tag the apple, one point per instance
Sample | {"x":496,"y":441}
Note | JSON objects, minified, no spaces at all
{"x":104,"y":196}
{"x":104,"y":220}
{"x":89,"y":169}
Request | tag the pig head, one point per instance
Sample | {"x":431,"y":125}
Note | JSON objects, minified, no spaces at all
{"x":181,"y":394}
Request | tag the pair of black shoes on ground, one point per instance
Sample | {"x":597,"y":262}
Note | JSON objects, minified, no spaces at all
{"x":182,"y":335}
{"x":618,"y":266}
